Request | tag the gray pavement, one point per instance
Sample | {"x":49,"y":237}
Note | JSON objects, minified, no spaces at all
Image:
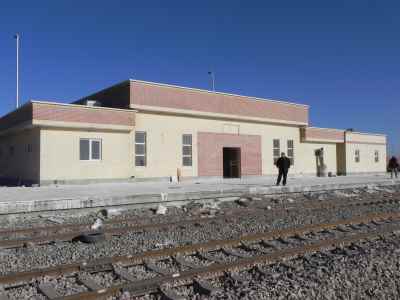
{"x":31,"y":199}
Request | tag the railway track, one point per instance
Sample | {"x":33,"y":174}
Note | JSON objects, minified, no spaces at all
{"x":159,"y":271}
{"x":56,"y":233}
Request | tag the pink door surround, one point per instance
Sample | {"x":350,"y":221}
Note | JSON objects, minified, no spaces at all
{"x":210,"y":153}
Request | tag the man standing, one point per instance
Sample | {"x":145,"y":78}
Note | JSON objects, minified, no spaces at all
{"x":283,"y":164}
{"x":393,"y":166}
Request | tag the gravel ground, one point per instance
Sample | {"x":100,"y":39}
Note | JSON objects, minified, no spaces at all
{"x":58,"y":253}
{"x":373,"y":273}
{"x":284,"y":283}
{"x":193,"y":209}
{"x":369,"y":270}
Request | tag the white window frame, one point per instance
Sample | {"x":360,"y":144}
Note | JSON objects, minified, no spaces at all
{"x":357,"y":156}
{"x":145,"y":149}
{"x":191,"y":150}
{"x":291,"y":157}
{"x":274,"y":157}
{"x":90,"y":149}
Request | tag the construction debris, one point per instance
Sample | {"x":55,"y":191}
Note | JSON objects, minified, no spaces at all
{"x":161,"y":210}
{"x":97,"y":225}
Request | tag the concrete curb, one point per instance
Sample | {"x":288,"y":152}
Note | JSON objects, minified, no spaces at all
{"x":142,"y":200}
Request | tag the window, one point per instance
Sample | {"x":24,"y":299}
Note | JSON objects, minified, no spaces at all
{"x":28,"y":148}
{"x":90,"y":149}
{"x":187,"y":150}
{"x":96,"y":150}
{"x":290,"y":151}
{"x":276,"y":150}
{"x":357,"y":156}
{"x":140,"y":148}
{"x":11,"y":150}
{"x":376,"y":156}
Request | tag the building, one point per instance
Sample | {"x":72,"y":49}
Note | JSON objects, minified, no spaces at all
{"x":141,"y":130}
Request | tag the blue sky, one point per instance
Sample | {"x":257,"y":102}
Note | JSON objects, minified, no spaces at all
{"x":340,"y":57}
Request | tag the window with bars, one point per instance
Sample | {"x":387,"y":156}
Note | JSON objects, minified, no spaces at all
{"x":376,"y":156}
{"x":140,"y":149}
{"x":276,"y":149}
{"x":187,"y":150}
{"x":90,"y":149}
{"x":290,"y":151}
{"x":357,"y":156}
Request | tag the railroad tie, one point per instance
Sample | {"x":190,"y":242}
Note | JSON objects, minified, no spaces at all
{"x":268,"y":244}
{"x":154,"y":268}
{"x":247,"y":246}
{"x":89,"y":283}
{"x":354,"y":227}
{"x":48,"y":290}
{"x":207,"y":256}
{"x":234,"y":253}
{"x":259,"y":270}
{"x":236,"y":277}
{"x":183,"y":262}
{"x":124,"y":274}
{"x":100,"y":265}
{"x":170,"y":295}
{"x":283,"y":241}
{"x":204,"y":288}
{"x":342,"y":228}
{"x":301,"y":238}
{"x":376,"y":223}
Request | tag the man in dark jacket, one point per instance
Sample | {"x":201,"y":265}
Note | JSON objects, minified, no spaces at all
{"x":283,"y":164}
{"x":393,"y":166}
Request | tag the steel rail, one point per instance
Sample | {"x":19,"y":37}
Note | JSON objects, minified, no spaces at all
{"x":152,"y":285}
{"x":69,"y":236}
{"x":107,"y":262}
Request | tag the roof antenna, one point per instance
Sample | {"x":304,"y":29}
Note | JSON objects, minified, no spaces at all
{"x":17,"y":36}
{"x":211,"y":73}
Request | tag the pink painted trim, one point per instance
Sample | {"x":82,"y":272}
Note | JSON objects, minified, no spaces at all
{"x":74,"y":113}
{"x":203,"y":101}
{"x":210,"y":153}
{"x":309,"y":134}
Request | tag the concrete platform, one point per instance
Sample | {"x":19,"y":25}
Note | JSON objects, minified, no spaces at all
{"x":35,"y":199}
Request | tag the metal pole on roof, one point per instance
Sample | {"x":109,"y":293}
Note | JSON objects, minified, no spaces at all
{"x":212,"y":79}
{"x":17,"y":95}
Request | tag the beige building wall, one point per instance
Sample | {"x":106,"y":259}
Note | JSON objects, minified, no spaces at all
{"x":23,"y":163}
{"x":367,"y":162}
{"x":164,"y":144}
{"x":367,"y":144}
{"x":306,"y":160}
{"x":60,"y":159}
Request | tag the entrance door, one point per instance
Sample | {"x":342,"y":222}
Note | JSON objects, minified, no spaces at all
{"x":231,"y":162}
